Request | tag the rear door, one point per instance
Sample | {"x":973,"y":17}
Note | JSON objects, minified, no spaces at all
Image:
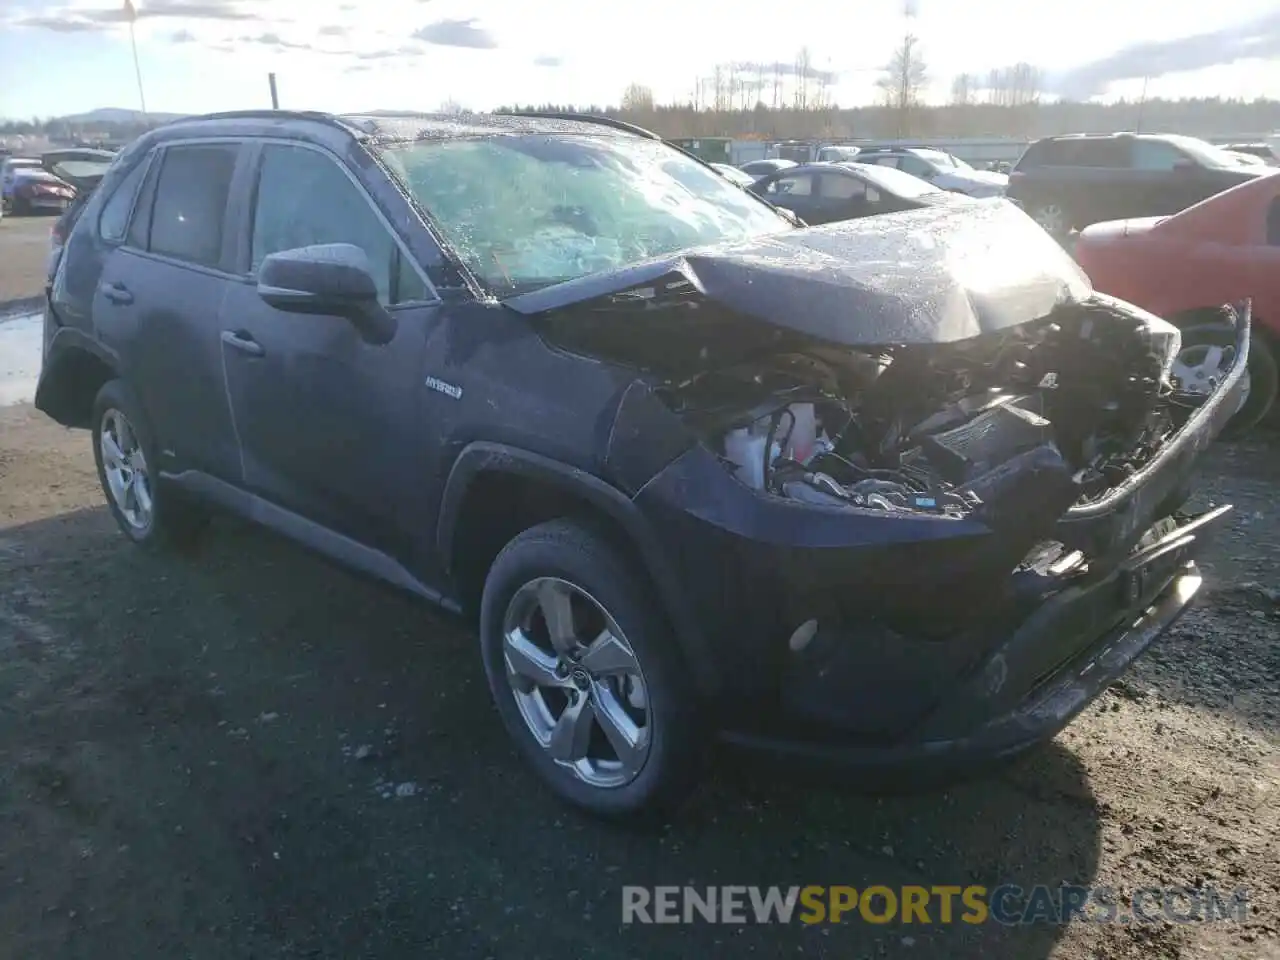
{"x":159,"y":298}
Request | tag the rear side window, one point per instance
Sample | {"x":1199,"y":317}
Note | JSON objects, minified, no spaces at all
{"x":1072,"y":152}
{"x":1107,"y":152}
{"x":191,"y":202}
{"x":114,"y":221}
{"x":1273,"y":223}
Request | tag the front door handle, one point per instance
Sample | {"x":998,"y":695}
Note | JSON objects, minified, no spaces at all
{"x":242,"y":342}
{"x":117,"y":293}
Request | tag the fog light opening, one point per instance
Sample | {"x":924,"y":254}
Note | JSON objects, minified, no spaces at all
{"x":803,"y":636}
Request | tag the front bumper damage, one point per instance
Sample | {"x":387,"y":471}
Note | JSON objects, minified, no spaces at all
{"x":913,"y":660}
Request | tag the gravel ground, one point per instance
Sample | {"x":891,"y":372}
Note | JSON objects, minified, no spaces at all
{"x":246,"y":752}
{"x":24,"y":248}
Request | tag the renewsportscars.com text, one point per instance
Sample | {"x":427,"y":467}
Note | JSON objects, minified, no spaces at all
{"x":1008,"y":904}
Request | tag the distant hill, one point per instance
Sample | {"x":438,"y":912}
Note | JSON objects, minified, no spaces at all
{"x":118,"y":115}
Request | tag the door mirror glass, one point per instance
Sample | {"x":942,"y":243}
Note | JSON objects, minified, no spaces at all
{"x":331,"y":279}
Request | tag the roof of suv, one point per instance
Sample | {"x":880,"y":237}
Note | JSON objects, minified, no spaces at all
{"x":387,"y":127}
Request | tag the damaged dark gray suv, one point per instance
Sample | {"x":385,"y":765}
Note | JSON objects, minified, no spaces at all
{"x":899,"y":494}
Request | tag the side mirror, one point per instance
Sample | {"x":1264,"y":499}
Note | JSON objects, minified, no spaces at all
{"x":330,"y":279}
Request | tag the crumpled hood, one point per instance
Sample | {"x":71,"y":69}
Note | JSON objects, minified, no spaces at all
{"x":934,"y":275}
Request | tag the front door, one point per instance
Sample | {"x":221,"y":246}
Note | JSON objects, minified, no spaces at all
{"x":329,"y":424}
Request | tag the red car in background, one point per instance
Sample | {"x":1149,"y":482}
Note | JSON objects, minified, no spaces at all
{"x":1182,"y":267}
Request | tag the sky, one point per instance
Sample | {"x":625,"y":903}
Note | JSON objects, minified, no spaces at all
{"x":60,"y":57}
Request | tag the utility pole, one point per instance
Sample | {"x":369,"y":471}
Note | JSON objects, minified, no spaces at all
{"x":1142,"y":103}
{"x":131,"y":14}
{"x":275,"y":99}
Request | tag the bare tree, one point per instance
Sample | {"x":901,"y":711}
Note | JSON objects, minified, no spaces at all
{"x":719,"y":94}
{"x":779,"y":69}
{"x":963,"y":89}
{"x":804,"y":70}
{"x":451,"y":108}
{"x":637,"y":98}
{"x":1024,"y":82}
{"x":902,"y":84}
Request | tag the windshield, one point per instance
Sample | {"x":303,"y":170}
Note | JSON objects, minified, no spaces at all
{"x":943,"y":161}
{"x":81,"y":169}
{"x":894,"y":181}
{"x":530,"y":211}
{"x":1203,"y":151}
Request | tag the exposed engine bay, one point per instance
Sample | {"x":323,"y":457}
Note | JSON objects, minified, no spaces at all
{"x":1067,"y":407}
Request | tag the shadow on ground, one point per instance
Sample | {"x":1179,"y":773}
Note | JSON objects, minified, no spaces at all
{"x":251,"y":753}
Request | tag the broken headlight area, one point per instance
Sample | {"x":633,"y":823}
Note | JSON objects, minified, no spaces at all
{"x":1063,"y":409}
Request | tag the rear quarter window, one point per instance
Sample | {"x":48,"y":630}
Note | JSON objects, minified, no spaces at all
{"x":113,"y":222}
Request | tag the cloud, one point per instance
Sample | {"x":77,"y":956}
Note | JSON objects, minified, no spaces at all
{"x":547,"y":61}
{"x":456,"y":33}
{"x":182,"y":36}
{"x":1255,"y":39}
{"x":189,"y":10}
{"x":332,"y":30}
{"x":77,"y":20}
{"x":403,"y":51}
{"x":275,"y":40}
{"x":58,"y":24}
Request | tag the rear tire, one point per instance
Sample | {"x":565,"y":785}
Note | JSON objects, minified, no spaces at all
{"x":148,"y":511}
{"x":540,"y":681}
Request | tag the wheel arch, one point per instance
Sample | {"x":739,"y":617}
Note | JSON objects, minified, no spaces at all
{"x":75,"y":368}
{"x":495,"y":491}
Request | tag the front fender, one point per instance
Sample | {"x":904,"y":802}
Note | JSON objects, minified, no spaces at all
{"x":480,"y":457}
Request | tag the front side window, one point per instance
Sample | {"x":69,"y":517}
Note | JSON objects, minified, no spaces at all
{"x":191,"y":202}
{"x":304,"y":198}
{"x":1273,"y":223}
{"x":114,"y":220}
{"x":531,"y":210}
{"x":1156,"y":155}
{"x":839,"y":187}
{"x":797,"y":185}
{"x":917,"y":167}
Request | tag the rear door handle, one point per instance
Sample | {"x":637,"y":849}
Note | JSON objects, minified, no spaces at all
{"x":117,"y":293}
{"x":242,"y":342}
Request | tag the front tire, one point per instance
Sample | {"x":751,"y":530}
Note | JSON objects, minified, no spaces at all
{"x":1208,"y":350}
{"x":585,"y":675}
{"x":147,"y":511}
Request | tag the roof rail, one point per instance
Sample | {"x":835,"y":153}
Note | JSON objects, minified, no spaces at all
{"x":586,"y":118}
{"x":317,"y":115}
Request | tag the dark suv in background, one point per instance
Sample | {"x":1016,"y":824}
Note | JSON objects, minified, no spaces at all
{"x":1067,"y":183}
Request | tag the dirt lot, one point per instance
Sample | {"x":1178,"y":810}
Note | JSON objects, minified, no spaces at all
{"x":24,"y":247}
{"x":248,"y":753}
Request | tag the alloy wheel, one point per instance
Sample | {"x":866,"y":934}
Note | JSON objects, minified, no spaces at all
{"x":125,"y":467}
{"x":1200,"y":367}
{"x":577,"y":682}
{"x":1050,"y":218}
